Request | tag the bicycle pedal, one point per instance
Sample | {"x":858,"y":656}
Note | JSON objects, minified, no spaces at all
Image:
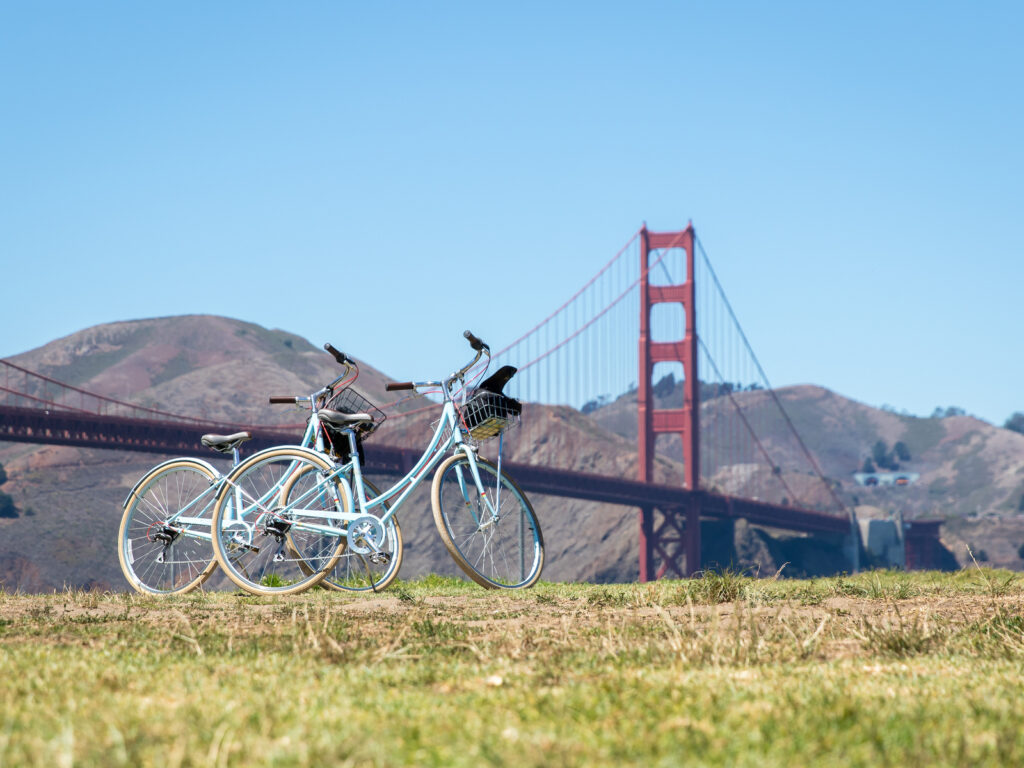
{"x":380,"y":558}
{"x":240,"y":544}
{"x":278,"y":558}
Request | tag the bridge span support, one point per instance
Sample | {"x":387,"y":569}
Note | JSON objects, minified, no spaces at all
{"x":669,"y":536}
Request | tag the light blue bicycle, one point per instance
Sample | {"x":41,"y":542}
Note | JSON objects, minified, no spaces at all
{"x":164,"y":542}
{"x":165,"y":545}
{"x":295,"y":506}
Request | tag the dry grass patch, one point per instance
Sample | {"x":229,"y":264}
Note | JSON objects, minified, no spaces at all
{"x":877,"y":669}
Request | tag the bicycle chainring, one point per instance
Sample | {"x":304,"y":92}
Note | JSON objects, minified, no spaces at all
{"x":366,"y":535}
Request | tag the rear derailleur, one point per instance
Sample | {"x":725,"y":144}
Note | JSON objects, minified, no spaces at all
{"x":165,"y":536}
{"x":278,"y":527}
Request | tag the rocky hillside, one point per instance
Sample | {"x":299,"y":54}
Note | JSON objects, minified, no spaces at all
{"x":966,"y":467}
{"x":70,"y":499}
{"x":198,"y":365}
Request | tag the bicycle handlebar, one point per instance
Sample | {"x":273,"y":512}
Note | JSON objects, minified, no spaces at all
{"x":475,"y":342}
{"x":341,"y":357}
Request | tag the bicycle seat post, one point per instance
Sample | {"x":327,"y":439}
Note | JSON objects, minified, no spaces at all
{"x":357,"y":470}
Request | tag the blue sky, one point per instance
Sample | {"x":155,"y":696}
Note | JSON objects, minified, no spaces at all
{"x":854,"y":171}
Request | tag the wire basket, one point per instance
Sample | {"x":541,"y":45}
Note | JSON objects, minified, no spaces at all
{"x":350,"y":401}
{"x":487,"y":414}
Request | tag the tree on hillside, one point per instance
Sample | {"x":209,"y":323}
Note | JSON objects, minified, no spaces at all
{"x":665,"y":386}
{"x":869,"y":466}
{"x":1015,"y":422}
{"x":883,"y":457}
{"x":901,"y":451}
{"x":880,"y":453}
{"x":7,"y":508}
{"x":949,"y":410}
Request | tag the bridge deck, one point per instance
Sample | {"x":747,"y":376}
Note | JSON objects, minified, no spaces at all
{"x":177,"y":438}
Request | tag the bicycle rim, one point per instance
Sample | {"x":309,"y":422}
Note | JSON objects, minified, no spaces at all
{"x":369,"y":573}
{"x":164,"y":543}
{"x":269,"y":542}
{"x":495,"y":536}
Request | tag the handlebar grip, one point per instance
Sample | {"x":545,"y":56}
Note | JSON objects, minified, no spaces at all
{"x":396,"y":385}
{"x":341,"y":357}
{"x":475,"y":342}
{"x":283,"y":399}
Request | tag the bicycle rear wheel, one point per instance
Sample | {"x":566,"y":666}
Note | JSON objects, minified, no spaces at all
{"x":278,"y":521}
{"x":490,"y":531}
{"x":356,"y":572}
{"x":164,"y":542}
{"x":374,"y":572}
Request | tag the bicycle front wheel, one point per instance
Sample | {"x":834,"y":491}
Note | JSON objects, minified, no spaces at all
{"x":163,"y":543}
{"x":491,"y":531}
{"x":278,"y":524}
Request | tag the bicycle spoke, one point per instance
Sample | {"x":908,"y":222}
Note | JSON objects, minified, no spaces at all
{"x":496,"y":547}
{"x":156,"y":555}
{"x":277,"y":526}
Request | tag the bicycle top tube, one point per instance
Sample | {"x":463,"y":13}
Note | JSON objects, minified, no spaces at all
{"x":425,"y":464}
{"x":311,"y":436}
{"x":439,"y":442}
{"x":437,"y":447}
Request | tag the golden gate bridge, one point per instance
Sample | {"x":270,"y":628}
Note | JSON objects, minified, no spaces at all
{"x":649,"y":351}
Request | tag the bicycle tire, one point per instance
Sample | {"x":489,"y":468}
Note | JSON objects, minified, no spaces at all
{"x":157,"y":556}
{"x":357,"y":573}
{"x":506,"y":552}
{"x":262,"y":543}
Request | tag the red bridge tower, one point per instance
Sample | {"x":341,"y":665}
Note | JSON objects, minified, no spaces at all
{"x":669,"y":537}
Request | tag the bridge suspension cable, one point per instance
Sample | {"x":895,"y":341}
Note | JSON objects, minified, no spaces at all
{"x":757,"y":416}
{"x":23,"y":386}
{"x":581,"y":360}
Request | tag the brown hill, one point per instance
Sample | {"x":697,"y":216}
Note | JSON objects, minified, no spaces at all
{"x":224,"y":369}
{"x":967,"y":467}
{"x":198,"y":365}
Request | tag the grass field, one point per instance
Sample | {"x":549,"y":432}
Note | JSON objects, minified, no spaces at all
{"x":878,"y":669}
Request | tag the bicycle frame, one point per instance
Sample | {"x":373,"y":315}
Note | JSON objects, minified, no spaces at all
{"x":312,"y":439}
{"x":427,"y":462}
{"x":431,"y":457}
{"x":434,"y":453}
{"x":185,"y":518}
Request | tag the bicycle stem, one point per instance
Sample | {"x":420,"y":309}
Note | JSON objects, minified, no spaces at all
{"x":459,"y":375}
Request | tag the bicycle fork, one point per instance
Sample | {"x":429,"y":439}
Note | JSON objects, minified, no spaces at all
{"x":476,"y":498}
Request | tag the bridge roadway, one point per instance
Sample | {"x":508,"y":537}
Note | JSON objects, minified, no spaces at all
{"x":87,"y":430}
